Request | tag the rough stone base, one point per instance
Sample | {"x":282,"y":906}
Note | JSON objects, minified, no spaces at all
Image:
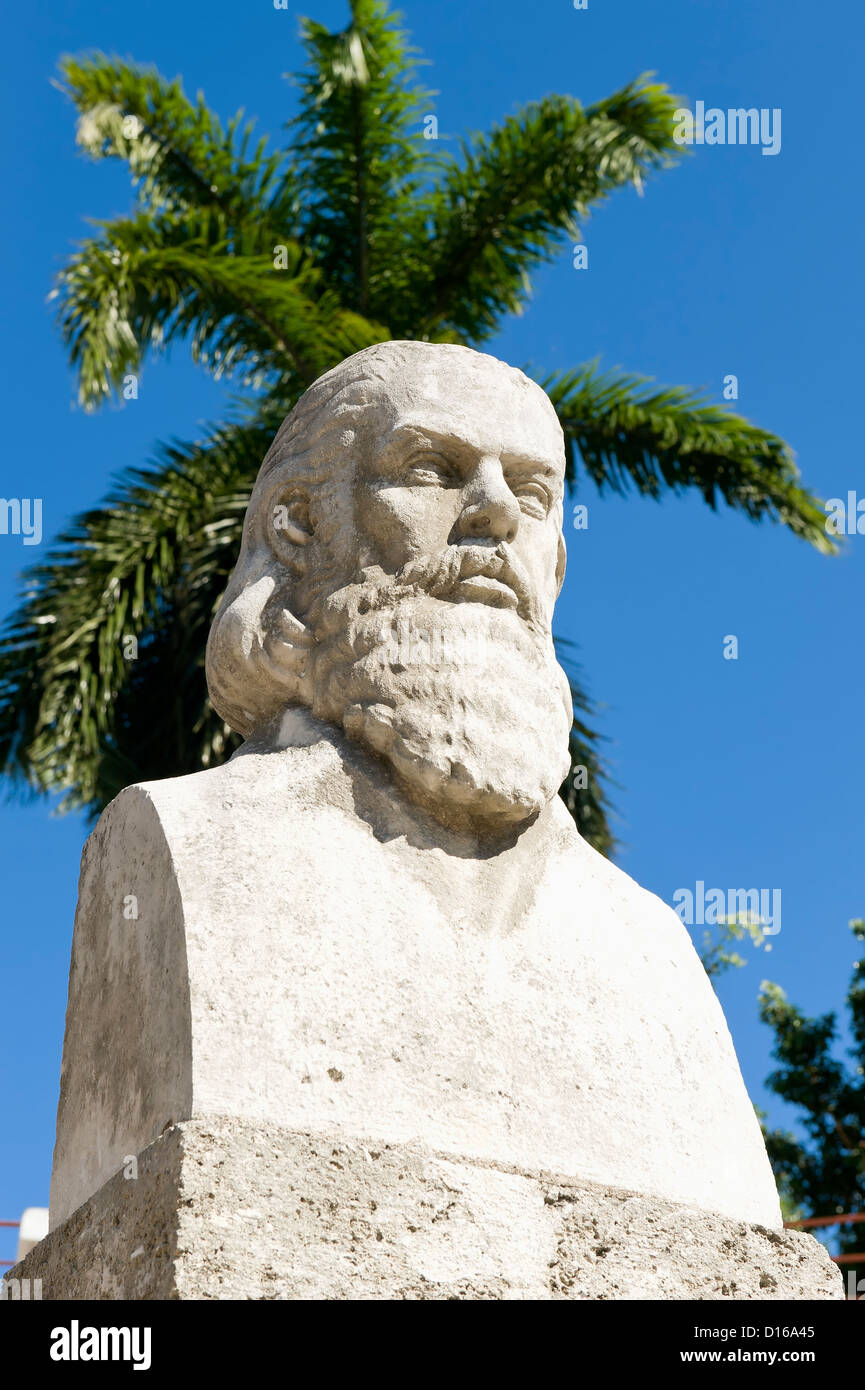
{"x":222,"y":1209}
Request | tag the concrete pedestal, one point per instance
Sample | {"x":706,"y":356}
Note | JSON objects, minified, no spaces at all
{"x":223,"y":1209}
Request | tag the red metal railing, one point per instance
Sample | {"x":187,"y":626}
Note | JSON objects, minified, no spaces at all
{"x":848,"y":1219}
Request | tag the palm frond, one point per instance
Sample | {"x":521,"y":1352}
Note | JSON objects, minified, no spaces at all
{"x":274,"y":266}
{"x":143,"y":282}
{"x":360,"y":151}
{"x":585,"y":789}
{"x":77,"y":712}
{"x":178,"y":153}
{"x":514,"y":195}
{"x":623,"y":432}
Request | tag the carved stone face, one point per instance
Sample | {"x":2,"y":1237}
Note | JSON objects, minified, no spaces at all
{"x":466,"y":458}
{"x":402,"y":555}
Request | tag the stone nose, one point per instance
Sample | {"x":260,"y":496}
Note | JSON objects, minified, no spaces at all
{"x":490,"y":511}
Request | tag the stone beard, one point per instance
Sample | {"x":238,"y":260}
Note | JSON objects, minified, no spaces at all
{"x":464,"y":700}
{"x":401,"y":557}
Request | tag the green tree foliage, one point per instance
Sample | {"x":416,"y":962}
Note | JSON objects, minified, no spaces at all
{"x":273,"y":265}
{"x":823,"y":1173}
{"x":717,"y":950}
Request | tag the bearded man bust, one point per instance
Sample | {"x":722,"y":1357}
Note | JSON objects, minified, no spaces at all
{"x":371,"y":963}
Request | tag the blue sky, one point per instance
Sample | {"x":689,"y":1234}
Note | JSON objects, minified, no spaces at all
{"x":738,"y":773}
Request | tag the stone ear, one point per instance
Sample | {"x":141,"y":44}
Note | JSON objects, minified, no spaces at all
{"x":561,"y":563}
{"x":288,"y":525}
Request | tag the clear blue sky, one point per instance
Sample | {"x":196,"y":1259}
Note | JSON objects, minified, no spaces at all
{"x":742,"y":773}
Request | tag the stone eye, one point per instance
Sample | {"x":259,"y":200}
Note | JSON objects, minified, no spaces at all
{"x":534,"y":498}
{"x":429,"y":467}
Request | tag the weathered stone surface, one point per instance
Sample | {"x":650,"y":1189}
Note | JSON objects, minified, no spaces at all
{"x":308,"y":953}
{"x":224,"y":1209}
{"x":377,"y":924}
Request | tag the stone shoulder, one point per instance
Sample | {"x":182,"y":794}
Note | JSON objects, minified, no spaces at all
{"x":616,"y":884}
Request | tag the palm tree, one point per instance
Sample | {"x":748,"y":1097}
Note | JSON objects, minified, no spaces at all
{"x":274,"y":266}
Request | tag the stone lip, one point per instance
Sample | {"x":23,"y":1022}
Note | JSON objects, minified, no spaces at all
{"x":224,"y":1209}
{"x":311,"y":951}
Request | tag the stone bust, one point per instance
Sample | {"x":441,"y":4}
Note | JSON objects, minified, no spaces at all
{"x":401,"y":557}
{"x":378,"y":920}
